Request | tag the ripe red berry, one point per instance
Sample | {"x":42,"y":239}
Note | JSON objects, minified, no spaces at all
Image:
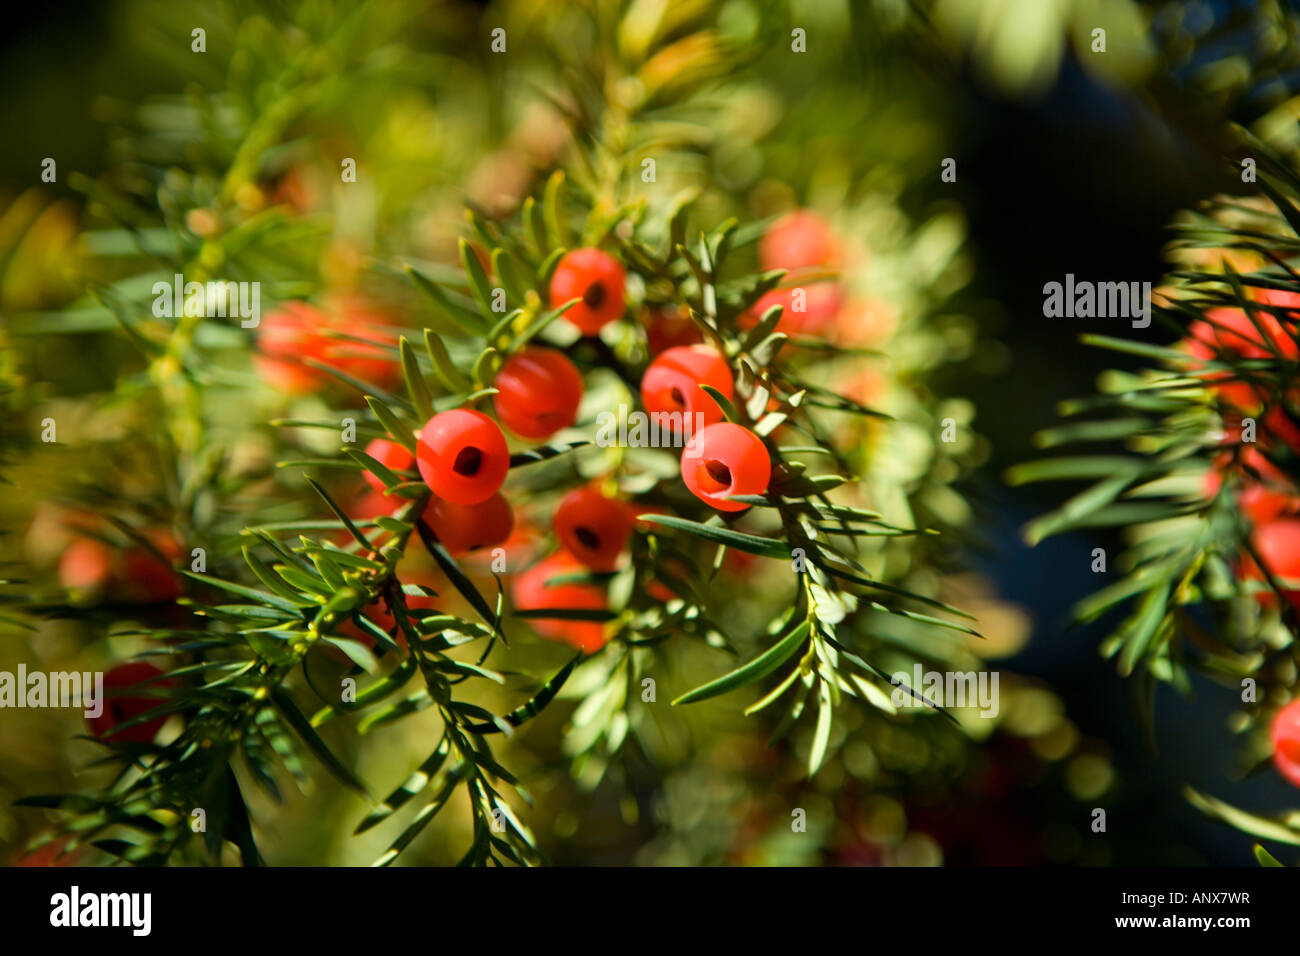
{"x":296,"y":331}
{"x":668,"y":327}
{"x":462,"y":456}
{"x":671,"y":385}
{"x":1266,"y":492}
{"x":798,"y":240}
{"x":1286,"y":742}
{"x":726,"y":459}
{"x":532,"y":590}
{"x":465,"y":528}
{"x":811,"y":313}
{"x":538,"y":391}
{"x":1277,"y":543}
{"x":392,"y":456}
{"x":118,"y":709}
{"x":1228,"y":330}
{"x":86,"y":565}
{"x":598,"y":280}
{"x":149,"y":576}
{"x":594,"y":528}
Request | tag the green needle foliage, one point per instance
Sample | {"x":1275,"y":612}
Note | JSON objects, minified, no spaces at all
{"x":1193,"y":594}
{"x":294,"y":580}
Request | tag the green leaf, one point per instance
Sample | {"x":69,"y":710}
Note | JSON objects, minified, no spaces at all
{"x":289,"y":710}
{"x":724,"y":403}
{"x":271,"y":600}
{"x":822,"y":735}
{"x":536,"y":704}
{"x":1246,"y":822}
{"x":414,"y":785}
{"x":479,"y":284}
{"x":750,"y":543}
{"x":552,"y":213}
{"x":1265,"y":858}
{"x":452,"y":377}
{"x":401,"y":432}
{"x":416,"y":386}
{"x":342,"y":516}
{"x":467,"y":319}
{"x":756,"y":669}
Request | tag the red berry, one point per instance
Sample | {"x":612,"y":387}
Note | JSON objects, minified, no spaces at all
{"x":594,"y":528}
{"x":1286,"y":742}
{"x":532,"y":591}
{"x":465,"y":528}
{"x":119,"y":709}
{"x":462,"y":456}
{"x":669,"y":327}
{"x":86,"y":565}
{"x":598,"y":280}
{"x":801,"y":243}
{"x":538,"y":391}
{"x":1277,"y":543}
{"x":1261,"y":498}
{"x":297,"y":331}
{"x":813,"y":313}
{"x":1228,"y":330}
{"x":726,"y":459}
{"x":671,"y":385}
{"x":149,"y":578}
{"x":799,"y":240}
{"x":392,"y":456}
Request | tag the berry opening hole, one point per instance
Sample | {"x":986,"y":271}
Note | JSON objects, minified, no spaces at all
{"x":719,"y":472}
{"x":676,"y":395}
{"x":468,"y":461}
{"x":593,"y":295}
{"x":588,"y":537}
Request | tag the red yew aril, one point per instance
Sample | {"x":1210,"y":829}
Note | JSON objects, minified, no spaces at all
{"x":538,"y":392}
{"x":1277,"y":543}
{"x":465,"y":528}
{"x":1266,"y":492}
{"x":1229,"y":330}
{"x":671,"y":385}
{"x":594,"y":528}
{"x":726,"y":459}
{"x":119,"y":708}
{"x":297,"y":330}
{"x":148,"y":574}
{"x":667,"y":328}
{"x":1286,"y":742}
{"x":86,"y":565}
{"x":813,"y":314}
{"x":533,"y":590}
{"x":798,"y":240}
{"x":392,"y":456}
{"x":598,"y":280}
{"x":462,"y":456}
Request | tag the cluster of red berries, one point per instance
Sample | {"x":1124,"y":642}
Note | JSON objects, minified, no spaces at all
{"x":802,"y":243}
{"x":463,"y":455}
{"x":1266,"y":496}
